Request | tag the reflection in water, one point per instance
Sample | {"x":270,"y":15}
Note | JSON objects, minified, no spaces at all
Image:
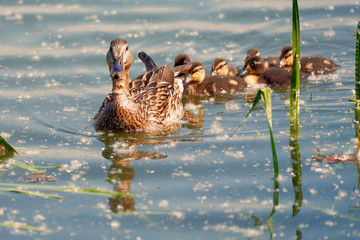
{"x":121,"y":175}
{"x":194,"y":112}
{"x":297,"y":171}
{"x":275,"y":204}
{"x":121,"y":149}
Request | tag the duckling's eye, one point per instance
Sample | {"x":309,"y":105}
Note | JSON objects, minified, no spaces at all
{"x":196,"y":70}
{"x":222,"y":66}
{"x":127,"y":48}
{"x":252,"y":64}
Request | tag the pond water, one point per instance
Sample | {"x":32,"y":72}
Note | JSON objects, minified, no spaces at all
{"x":198,"y":181}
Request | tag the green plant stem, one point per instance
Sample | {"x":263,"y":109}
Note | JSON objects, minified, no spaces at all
{"x":295,"y":74}
{"x":357,"y":63}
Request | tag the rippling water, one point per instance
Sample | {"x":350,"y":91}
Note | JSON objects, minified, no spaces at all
{"x":198,"y":181}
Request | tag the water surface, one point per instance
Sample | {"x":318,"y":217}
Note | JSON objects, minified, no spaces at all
{"x":196,"y":181}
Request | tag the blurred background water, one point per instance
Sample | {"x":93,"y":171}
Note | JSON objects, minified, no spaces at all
{"x":198,"y":181}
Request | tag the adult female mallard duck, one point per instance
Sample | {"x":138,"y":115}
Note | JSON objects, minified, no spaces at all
{"x":147,"y":103}
{"x":201,"y":85}
{"x":221,"y":67}
{"x":309,"y":64}
{"x":255,"y":74}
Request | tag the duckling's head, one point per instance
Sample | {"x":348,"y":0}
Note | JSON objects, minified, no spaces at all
{"x":220,"y":67}
{"x":182,"y":59}
{"x":253,"y":66}
{"x":119,"y":58}
{"x":286,"y":59}
{"x":253,"y":52}
{"x":197,"y":72}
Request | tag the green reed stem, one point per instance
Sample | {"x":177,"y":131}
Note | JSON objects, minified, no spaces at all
{"x":357,"y":63}
{"x":265,"y":95}
{"x":295,"y":74}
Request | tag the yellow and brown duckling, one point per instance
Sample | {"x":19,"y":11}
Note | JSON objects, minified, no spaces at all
{"x":316,"y":65}
{"x":221,"y":67}
{"x":268,"y":62}
{"x":182,"y":61}
{"x":147,"y":103}
{"x":256,"y":75}
{"x":202,"y":85}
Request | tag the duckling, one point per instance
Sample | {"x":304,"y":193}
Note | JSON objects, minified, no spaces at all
{"x":182,"y":59}
{"x":180,"y":71}
{"x":149,"y":102}
{"x":316,"y":65}
{"x":202,"y":85}
{"x":268,"y":62}
{"x":257,"y":74}
{"x":221,"y":67}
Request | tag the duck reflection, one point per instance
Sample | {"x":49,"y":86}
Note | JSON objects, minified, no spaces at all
{"x":122,"y":149}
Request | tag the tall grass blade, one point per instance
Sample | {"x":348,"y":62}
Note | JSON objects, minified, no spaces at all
{"x":7,"y":146}
{"x":265,"y":95}
{"x":295,"y":74}
{"x":357,"y":63}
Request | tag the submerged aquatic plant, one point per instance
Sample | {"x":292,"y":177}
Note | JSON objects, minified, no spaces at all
{"x":19,"y":188}
{"x":265,"y":95}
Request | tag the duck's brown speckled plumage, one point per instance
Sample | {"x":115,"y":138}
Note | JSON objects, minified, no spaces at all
{"x":147,"y":103}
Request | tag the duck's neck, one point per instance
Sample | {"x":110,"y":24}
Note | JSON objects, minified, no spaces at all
{"x":121,"y":85}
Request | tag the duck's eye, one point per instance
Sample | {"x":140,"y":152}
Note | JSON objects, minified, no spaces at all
{"x":127,"y":48}
{"x":222,"y":66}
{"x":252,"y":64}
{"x":196,"y":70}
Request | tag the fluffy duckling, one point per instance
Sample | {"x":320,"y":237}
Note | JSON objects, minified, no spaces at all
{"x":309,"y":64}
{"x":255,"y":74}
{"x":202,"y":85}
{"x":268,"y":62}
{"x":147,"y":103}
{"x":179,"y":70}
{"x":221,"y":67}
{"x":182,"y":59}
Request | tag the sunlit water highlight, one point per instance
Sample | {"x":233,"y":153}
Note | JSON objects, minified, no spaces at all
{"x":196,"y":181}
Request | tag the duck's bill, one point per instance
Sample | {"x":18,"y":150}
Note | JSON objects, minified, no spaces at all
{"x":187,"y":78}
{"x":117,"y":69}
{"x":243,"y":72}
{"x":282,"y":62}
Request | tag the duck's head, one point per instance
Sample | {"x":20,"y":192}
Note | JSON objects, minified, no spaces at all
{"x":253,"y":52}
{"x":197,"y":72}
{"x":253,"y":66}
{"x":182,"y":59}
{"x":119,"y":58}
{"x":220,"y":67}
{"x":286,"y":58}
